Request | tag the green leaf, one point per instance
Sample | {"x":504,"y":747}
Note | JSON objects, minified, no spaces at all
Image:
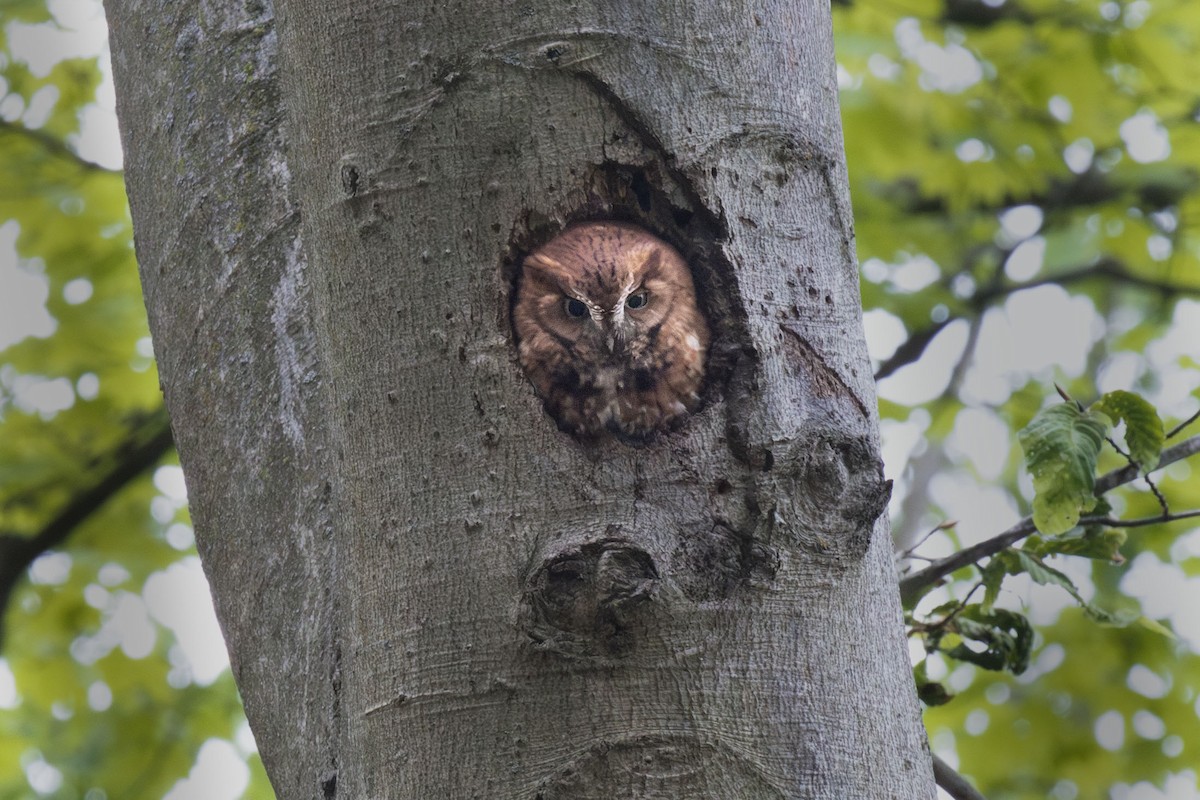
{"x":1017,"y":562}
{"x":1099,"y":543}
{"x":930,"y":692}
{"x":933,"y":693}
{"x":1143,"y":429}
{"x":1006,"y":636}
{"x":1061,"y":445}
{"x":992,"y":576}
{"x":1041,"y":572}
{"x":1156,"y":627}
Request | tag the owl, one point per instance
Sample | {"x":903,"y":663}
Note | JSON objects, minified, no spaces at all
{"x":609,"y":332}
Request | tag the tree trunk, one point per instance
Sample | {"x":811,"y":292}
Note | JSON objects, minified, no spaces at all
{"x":429,"y":590}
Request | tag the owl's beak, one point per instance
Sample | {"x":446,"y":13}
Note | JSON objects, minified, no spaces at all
{"x":613,"y":335}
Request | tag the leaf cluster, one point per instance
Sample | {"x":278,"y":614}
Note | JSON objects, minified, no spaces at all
{"x":94,"y":710}
{"x":1002,"y":153}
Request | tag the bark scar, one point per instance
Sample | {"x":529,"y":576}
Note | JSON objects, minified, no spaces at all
{"x":824,"y":380}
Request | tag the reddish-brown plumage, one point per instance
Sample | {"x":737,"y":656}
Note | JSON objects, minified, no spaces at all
{"x":609,"y":331}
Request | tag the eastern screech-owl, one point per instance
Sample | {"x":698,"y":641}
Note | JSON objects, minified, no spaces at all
{"x":609,"y":331}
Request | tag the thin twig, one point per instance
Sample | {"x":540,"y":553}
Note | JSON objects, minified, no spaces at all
{"x":1139,"y":523}
{"x":1185,"y":449}
{"x":911,"y":585}
{"x":941,"y":526}
{"x":1162,"y":501}
{"x":1171,"y":434}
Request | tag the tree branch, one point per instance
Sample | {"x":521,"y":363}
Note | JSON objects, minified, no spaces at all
{"x":144,"y":448}
{"x":51,"y":144}
{"x":910,"y":349}
{"x":1185,"y":449}
{"x":1108,"y":268}
{"x":955,"y":785}
{"x":911,"y":585}
{"x":1139,"y":523}
{"x":1085,"y":190}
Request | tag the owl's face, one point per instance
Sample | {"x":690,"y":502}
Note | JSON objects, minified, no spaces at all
{"x":609,"y":331}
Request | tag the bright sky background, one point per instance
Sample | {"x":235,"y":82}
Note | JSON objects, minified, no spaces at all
{"x":1042,"y":332}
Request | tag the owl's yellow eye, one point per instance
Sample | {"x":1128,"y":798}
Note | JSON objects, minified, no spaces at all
{"x":638,"y":300}
{"x":575,"y":308}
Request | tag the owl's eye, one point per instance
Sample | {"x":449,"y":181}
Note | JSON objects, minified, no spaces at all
{"x":638,"y":300}
{"x":575,"y":308}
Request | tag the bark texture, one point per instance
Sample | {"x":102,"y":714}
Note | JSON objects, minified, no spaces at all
{"x":217,"y":231}
{"x":428,"y":589}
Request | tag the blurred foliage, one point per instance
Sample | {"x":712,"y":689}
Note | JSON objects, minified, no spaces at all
{"x":96,"y":697}
{"x":998,"y":150}
{"x":1026,"y":173}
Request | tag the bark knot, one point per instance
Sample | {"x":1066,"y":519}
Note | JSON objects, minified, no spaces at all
{"x":585,"y":601}
{"x":831,"y":491}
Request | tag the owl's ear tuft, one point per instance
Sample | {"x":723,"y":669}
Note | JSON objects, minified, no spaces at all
{"x":543,"y":262}
{"x":653,"y":260}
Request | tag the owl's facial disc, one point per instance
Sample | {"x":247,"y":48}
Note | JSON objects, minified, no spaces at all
{"x":609,"y":331}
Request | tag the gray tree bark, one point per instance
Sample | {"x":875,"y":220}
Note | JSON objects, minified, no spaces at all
{"x":427,"y":589}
